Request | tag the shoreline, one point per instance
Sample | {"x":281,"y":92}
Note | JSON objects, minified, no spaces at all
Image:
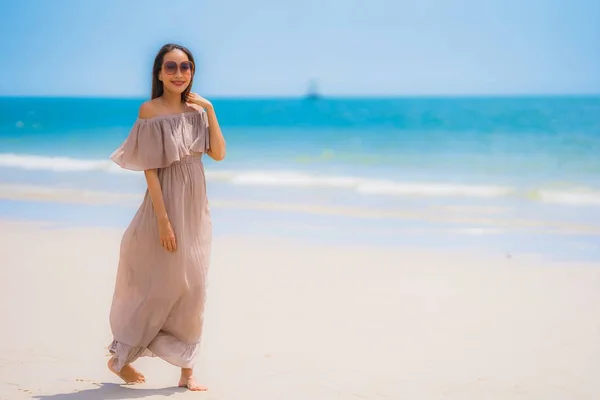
{"x":492,"y":215}
{"x":332,"y":229}
{"x":554,"y":232}
{"x":282,"y":315}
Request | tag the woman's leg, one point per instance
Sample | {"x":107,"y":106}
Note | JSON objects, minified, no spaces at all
{"x":127,"y":373}
{"x":189,"y":381}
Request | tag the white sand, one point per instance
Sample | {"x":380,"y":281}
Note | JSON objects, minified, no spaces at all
{"x":290,"y":320}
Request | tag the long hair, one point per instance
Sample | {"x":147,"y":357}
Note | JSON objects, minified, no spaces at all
{"x":157,"y":85}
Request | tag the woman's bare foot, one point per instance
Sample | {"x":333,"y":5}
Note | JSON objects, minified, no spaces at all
{"x":127,"y":373}
{"x":187,"y":380}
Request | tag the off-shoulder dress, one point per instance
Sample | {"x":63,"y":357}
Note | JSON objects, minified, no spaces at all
{"x":159,"y":296}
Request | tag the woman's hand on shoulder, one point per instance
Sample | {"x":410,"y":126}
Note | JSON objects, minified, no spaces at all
{"x":195,"y":98}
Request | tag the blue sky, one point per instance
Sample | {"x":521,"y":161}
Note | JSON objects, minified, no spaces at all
{"x":273,"y":47}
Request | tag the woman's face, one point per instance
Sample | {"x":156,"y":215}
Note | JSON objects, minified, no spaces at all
{"x":176,"y":72}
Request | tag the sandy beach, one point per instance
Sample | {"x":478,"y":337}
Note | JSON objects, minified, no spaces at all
{"x":295,"y":320}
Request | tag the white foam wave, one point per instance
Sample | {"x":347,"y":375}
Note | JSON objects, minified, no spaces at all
{"x":363,"y":186}
{"x":291,"y":178}
{"x":573,"y":198}
{"x":433,"y":189}
{"x":367,"y":186}
{"x":56,"y":164}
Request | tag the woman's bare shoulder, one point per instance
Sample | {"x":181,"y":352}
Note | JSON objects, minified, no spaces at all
{"x":148,"y":109}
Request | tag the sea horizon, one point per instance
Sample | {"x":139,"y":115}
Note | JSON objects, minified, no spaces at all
{"x":324,"y":96}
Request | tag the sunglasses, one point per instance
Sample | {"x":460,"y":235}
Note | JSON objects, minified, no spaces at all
{"x":185,"y":67}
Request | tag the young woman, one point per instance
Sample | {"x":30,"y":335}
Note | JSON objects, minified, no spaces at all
{"x":158,"y":303}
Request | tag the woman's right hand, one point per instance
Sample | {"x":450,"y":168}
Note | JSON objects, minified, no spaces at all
{"x":167,"y":236}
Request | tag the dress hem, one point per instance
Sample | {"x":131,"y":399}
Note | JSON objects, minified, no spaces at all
{"x":125,"y":354}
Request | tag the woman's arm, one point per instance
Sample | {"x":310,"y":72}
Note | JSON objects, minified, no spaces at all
{"x":217,"y":141}
{"x":156,"y":195}
{"x":167,"y":237}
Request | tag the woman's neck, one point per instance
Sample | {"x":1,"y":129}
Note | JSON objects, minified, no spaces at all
{"x":171,"y":100}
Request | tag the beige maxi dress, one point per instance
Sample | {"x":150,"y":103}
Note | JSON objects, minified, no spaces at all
{"x":158,"y":302}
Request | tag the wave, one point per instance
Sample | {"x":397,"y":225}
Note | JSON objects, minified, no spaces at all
{"x":296,"y":179}
{"x":56,"y":164}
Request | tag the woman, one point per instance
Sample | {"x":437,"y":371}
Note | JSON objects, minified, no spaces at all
{"x":159,"y":295}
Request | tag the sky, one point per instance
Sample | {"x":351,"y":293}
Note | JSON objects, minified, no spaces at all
{"x":274,"y":47}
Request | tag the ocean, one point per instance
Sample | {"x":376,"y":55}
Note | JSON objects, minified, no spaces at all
{"x":513,"y":175}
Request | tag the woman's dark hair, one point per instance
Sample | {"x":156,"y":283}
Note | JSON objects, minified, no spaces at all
{"x":157,"y":85}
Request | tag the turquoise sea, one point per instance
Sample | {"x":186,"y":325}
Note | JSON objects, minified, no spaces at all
{"x":509,"y":174}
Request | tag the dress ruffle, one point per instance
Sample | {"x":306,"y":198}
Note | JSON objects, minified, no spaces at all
{"x":164,"y":345}
{"x":161,"y":141}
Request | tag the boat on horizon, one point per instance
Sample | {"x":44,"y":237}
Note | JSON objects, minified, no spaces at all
{"x":313,"y":91}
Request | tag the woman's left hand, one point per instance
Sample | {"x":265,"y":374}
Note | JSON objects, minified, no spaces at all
{"x":199,"y":100}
